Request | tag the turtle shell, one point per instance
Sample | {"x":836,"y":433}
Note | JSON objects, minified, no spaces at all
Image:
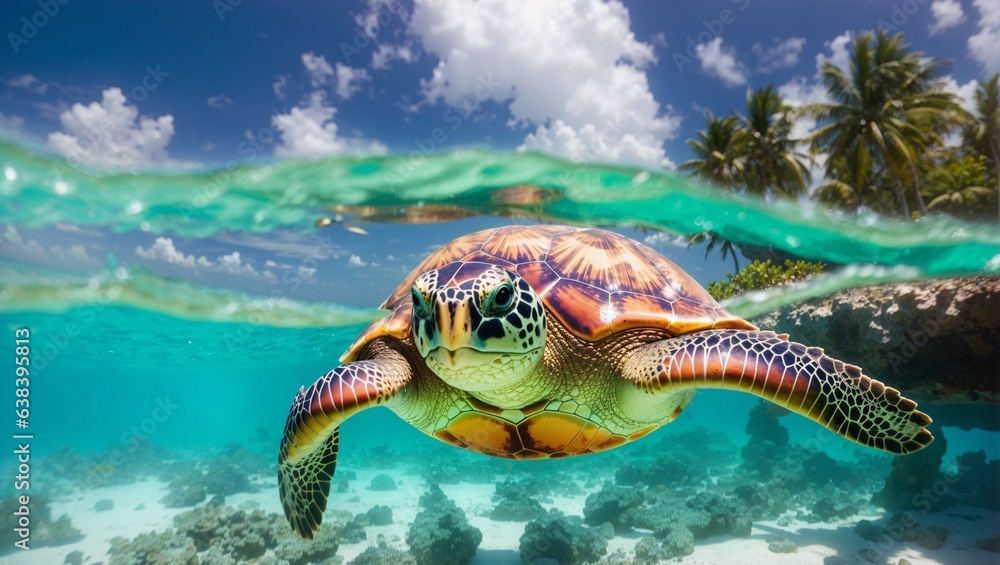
{"x":594,"y":282}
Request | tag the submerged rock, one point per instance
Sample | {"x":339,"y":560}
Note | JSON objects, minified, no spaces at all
{"x":383,"y":554}
{"x":514,"y":503}
{"x":379,"y":516}
{"x":154,"y":548}
{"x":612,"y":504}
{"x":562,"y":539}
{"x":938,"y":341}
{"x":440,"y":534}
{"x":382,"y":482}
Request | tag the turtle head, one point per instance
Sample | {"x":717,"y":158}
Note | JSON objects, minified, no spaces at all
{"x":478,"y":326}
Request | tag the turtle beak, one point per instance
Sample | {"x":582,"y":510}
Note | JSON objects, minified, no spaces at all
{"x":455,"y":321}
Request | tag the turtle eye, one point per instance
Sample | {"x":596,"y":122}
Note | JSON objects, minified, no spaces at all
{"x":501,"y":300}
{"x":420,"y":308}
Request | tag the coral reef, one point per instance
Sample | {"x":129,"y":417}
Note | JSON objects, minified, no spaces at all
{"x":672,"y":469}
{"x":184,"y":492}
{"x":379,"y":516}
{"x":162,"y":548}
{"x":514,"y":502}
{"x":383,"y":554}
{"x":614,"y":505}
{"x":44,"y":530}
{"x":103,"y":505}
{"x":910,"y":485}
{"x":382,"y":482}
{"x":562,"y":539}
{"x":440,"y":534}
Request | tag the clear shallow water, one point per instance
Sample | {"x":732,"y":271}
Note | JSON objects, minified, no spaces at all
{"x":114,"y":344}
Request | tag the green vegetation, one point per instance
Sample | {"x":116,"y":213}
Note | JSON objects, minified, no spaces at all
{"x":759,"y":275}
{"x":882,"y":136}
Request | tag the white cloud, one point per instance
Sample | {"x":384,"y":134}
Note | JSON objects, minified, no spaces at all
{"x":11,"y":123}
{"x":569,"y":73}
{"x":320,"y":72}
{"x":234,"y":265}
{"x":947,"y":14}
{"x":349,"y":80}
{"x":380,"y":12}
{"x":163,"y":250}
{"x":31,"y":246}
{"x":840,"y":54}
{"x":983,"y":45}
{"x":310,"y":131}
{"x":279,"y":86}
{"x":721,"y":63}
{"x":659,"y":240}
{"x":355,"y":261}
{"x":966,"y":93}
{"x":111,"y":134}
{"x":782,"y":55}
{"x":220,"y":101}
{"x":387,"y":53}
{"x":74,"y":252}
{"x":29,"y":83}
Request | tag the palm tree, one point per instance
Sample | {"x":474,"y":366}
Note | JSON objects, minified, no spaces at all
{"x":716,"y":150}
{"x":887,"y":111}
{"x":984,"y":131}
{"x":771,"y":163}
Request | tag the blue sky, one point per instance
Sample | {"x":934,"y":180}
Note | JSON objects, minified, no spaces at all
{"x":218,"y":82}
{"x":641,"y":73}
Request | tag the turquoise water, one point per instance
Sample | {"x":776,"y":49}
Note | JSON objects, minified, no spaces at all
{"x":193,"y":367}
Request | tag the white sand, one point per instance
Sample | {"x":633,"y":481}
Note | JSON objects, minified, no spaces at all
{"x":500,"y":543}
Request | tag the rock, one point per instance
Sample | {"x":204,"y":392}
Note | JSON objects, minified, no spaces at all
{"x":73,"y":558}
{"x":729,"y":515}
{"x":910,"y":484}
{"x":870,"y":531}
{"x":382,"y":482}
{"x":679,"y":469}
{"x":782,"y":546}
{"x":162,"y":548}
{"x":514,"y":503}
{"x":562,"y":539}
{"x":440,"y":534}
{"x":989,"y":544}
{"x":763,"y":426}
{"x":904,"y":333}
{"x":380,"y":516}
{"x":382,"y":554}
{"x":932,"y":537}
{"x":103,"y":505}
{"x":612,"y":504}
{"x":607,"y":530}
{"x":184,"y":492}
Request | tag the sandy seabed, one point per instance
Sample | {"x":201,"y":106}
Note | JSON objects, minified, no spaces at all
{"x":137,"y":509}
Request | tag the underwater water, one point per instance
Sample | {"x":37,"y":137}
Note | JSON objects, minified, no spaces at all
{"x":157,"y":401}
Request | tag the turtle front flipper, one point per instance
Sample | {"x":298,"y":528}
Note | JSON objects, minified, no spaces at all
{"x":802,"y":379}
{"x":308,"y":453}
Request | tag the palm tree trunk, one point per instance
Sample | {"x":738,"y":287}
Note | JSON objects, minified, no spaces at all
{"x":996,"y":165}
{"x":916,"y":190}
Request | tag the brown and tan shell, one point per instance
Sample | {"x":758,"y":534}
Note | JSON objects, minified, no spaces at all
{"x":594,"y":282}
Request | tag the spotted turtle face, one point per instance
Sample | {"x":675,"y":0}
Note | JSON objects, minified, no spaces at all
{"x":478,"y":326}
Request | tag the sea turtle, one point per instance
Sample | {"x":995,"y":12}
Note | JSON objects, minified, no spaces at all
{"x":545,"y":341}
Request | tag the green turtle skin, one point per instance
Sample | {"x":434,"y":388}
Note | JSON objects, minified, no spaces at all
{"x":552,"y":341}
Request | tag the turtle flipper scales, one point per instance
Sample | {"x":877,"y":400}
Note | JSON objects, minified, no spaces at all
{"x":804,"y":380}
{"x":308,"y":453}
